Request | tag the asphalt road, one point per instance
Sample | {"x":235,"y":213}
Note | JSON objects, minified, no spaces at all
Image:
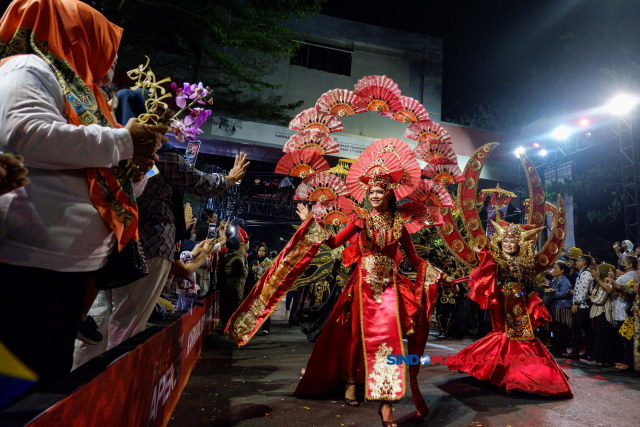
{"x":253,"y":386}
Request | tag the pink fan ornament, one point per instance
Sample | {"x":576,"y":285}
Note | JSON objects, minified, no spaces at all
{"x":340,"y":102}
{"x":412,"y":111}
{"x":428,"y":131}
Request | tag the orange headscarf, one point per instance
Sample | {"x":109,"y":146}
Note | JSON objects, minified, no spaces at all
{"x":79,"y":44}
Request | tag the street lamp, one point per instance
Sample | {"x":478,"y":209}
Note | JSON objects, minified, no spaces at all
{"x":621,"y":104}
{"x":561,"y":133}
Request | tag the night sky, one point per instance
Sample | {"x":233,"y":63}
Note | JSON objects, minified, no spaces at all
{"x":548,"y":57}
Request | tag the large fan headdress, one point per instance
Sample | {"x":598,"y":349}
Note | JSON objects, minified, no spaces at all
{"x":322,"y":187}
{"x":428,"y":131}
{"x":341,"y":103}
{"x":432,"y":193}
{"x":383,"y":164}
{"x":437,"y":154}
{"x":329,"y":213}
{"x":412,"y":111}
{"x":378,"y":93}
{"x":444,"y":174}
{"x":314,"y":119}
{"x":302,"y":164}
{"x":313,"y":139}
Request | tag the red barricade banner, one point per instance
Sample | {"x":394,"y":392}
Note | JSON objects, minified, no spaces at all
{"x":143,"y":387}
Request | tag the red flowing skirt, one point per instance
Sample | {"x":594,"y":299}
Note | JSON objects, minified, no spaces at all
{"x":512,"y":364}
{"x":329,"y":361}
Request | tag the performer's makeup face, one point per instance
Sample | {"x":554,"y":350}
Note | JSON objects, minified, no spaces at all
{"x":510,"y":246}
{"x":379,"y":198}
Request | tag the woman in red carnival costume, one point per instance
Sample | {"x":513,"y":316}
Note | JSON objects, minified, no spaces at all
{"x":378,"y":306}
{"x":511,"y":357}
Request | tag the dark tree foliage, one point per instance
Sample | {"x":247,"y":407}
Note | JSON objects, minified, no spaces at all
{"x":232,"y":45}
{"x":599,"y":187}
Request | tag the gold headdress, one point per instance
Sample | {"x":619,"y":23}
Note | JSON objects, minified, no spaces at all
{"x":524,"y":235}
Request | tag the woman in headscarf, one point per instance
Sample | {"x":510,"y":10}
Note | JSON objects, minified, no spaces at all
{"x":259,"y":264}
{"x":54,"y":56}
{"x":630,"y":329}
{"x":602,"y":343}
{"x":560,"y":307}
{"x":626,"y":249}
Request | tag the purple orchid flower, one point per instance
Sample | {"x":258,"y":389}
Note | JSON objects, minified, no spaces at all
{"x":182,"y":94}
{"x":182,"y":131}
{"x":198,"y":91}
{"x":197,"y":117}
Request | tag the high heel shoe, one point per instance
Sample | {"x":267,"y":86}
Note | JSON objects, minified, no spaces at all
{"x":386,"y":423}
{"x":352,"y":402}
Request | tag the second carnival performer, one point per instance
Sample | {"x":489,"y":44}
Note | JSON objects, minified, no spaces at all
{"x":511,"y":357}
{"x":378,"y":305}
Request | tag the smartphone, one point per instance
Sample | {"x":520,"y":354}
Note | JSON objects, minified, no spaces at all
{"x":153,"y":172}
{"x":212,"y":232}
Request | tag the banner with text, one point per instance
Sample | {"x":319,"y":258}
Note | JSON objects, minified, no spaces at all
{"x":143,"y":387}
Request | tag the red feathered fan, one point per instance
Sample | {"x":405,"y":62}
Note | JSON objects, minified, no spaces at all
{"x":437,"y":154}
{"x":340,"y":102}
{"x":428,"y":131}
{"x":391,"y":145}
{"x":412,"y":111}
{"x":314,"y":119}
{"x":313,"y":139}
{"x":302,"y":164}
{"x":445,"y":174}
{"x":378,"y":93}
{"x":402,"y":171}
{"x":321,"y":187}
{"x":431,"y":193}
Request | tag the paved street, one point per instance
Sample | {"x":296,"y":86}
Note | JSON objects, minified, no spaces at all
{"x":253,"y":386}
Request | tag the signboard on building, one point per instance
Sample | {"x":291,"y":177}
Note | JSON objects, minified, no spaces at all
{"x":276,"y":136}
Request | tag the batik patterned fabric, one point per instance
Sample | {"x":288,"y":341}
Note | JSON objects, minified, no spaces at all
{"x":157,"y":223}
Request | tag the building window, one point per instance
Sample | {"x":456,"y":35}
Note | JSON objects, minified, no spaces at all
{"x":323,"y":58}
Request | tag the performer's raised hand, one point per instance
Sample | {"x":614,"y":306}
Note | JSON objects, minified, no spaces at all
{"x":222,"y":239}
{"x":302,"y":211}
{"x":477,"y":249}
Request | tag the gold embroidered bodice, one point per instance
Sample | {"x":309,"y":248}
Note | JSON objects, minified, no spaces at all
{"x":382,"y":228}
{"x":515,"y":275}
